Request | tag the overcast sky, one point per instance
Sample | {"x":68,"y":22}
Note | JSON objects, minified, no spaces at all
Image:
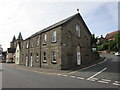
{"x":30,"y":16}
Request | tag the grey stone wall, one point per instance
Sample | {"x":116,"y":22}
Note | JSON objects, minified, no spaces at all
{"x":70,"y":42}
{"x":66,"y":47}
{"x":49,"y":47}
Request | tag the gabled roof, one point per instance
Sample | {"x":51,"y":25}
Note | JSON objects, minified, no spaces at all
{"x":111,"y":35}
{"x":59,"y":24}
{"x":11,"y":50}
{"x":20,"y":36}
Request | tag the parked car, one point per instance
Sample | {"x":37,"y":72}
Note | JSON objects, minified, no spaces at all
{"x":117,"y":53}
{"x":2,"y":61}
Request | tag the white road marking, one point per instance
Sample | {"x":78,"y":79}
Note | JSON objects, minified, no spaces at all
{"x":59,"y":74}
{"x":102,"y":82}
{"x":97,"y":73}
{"x":92,"y":79}
{"x":80,"y":78}
{"x":106,"y":80}
{"x":87,"y":67}
{"x":116,"y":84}
{"x":117,"y":81}
{"x":94,"y":64}
{"x":65,"y":75}
{"x":95,"y":78}
{"x":72,"y":76}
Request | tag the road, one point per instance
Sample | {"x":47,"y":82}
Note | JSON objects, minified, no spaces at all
{"x":102,"y":75}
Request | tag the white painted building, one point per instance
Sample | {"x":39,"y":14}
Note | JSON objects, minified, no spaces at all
{"x":17,"y":54}
{"x":1,"y":50}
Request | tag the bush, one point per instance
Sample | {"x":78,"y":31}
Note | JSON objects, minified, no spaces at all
{"x":103,"y":46}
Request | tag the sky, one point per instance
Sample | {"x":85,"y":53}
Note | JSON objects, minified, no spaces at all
{"x":31,"y":16}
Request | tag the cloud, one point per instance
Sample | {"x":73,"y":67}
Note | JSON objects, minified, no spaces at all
{"x":30,"y":16}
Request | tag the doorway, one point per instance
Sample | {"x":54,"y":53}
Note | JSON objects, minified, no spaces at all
{"x":78,"y":55}
{"x":26,"y":61}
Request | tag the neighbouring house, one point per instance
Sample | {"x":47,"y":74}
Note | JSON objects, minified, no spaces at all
{"x":10,"y":55}
{"x":1,"y":50}
{"x":17,"y":54}
{"x":4,"y":55}
{"x":63,"y":45}
{"x":13,"y":52}
{"x":100,"y":40}
{"x":111,"y":36}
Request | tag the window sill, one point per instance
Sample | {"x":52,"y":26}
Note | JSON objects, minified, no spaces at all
{"x":54,"y":62}
{"x":44,"y":61}
{"x":44,"y":43}
{"x":54,"y":41}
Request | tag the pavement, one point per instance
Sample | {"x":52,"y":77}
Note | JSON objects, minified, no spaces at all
{"x":55,"y":71}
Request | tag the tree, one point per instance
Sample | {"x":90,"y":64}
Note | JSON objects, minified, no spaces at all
{"x":103,"y":46}
{"x":112,"y":45}
{"x":93,"y":40}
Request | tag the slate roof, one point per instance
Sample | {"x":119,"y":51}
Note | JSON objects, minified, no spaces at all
{"x":20,"y":36}
{"x":59,"y":24}
{"x":111,"y":35}
{"x":11,"y":50}
{"x":14,"y":39}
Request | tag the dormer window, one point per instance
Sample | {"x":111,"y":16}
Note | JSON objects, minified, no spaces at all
{"x":77,"y":30}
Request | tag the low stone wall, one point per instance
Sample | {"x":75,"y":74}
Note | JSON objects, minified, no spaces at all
{"x":105,"y":51}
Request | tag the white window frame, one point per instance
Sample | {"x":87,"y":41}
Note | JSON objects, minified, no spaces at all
{"x":77,"y":27}
{"x":54,"y":34}
{"x":54,"y":57}
{"x":45,"y":39}
{"x":44,"y":56}
{"x":26,"y":60}
{"x":37,"y":57}
{"x":31,"y":60}
{"x":27,"y":45}
{"x":37,"y":41}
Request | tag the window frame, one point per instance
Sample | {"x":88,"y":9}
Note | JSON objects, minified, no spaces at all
{"x":78,"y":30}
{"x":54,"y":57}
{"x":37,"y":57}
{"x":45,"y":39}
{"x":43,"y":58}
{"x":54,"y":36}
{"x":27,"y":44}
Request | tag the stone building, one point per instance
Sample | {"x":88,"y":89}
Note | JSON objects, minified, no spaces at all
{"x":111,"y":35}
{"x":11,"y":52}
{"x":63,"y":45}
{"x":100,"y":40}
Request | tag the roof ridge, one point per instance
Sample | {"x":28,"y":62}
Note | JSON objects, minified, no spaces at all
{"x":114,"y":31}
{"x":54,"y":25}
